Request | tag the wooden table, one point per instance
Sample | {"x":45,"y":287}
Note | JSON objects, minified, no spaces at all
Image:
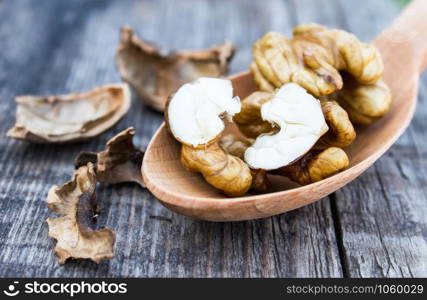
{"x":375,"y":226}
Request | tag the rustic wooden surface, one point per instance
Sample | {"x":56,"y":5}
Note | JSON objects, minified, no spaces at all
{"x":374,"y":227}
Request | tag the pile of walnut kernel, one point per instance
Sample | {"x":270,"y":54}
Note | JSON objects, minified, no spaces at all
{"x":313,"y":88}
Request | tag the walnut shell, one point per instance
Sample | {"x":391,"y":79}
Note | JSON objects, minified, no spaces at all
{"x":155,"y":74}
{"x":120,"y":161}
{"x":72,"y":117}
{"x":75,"y":202}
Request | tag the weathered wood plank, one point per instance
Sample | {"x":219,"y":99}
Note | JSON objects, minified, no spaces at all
{"x":70,"y":47}
{"x":63,"y":46}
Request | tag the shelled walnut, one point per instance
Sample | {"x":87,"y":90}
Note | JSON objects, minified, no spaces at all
{"x":326,"y":62}
{"x":314,"y":58}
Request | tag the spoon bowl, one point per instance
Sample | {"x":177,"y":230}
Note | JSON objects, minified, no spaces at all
{"x":188,"y":193}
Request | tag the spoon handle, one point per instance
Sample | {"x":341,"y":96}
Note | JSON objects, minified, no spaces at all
{"x":406,"y":38}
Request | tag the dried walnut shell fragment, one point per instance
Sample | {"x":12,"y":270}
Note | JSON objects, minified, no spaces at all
{"x":75,"y":202}
{"x":120,"y":161}
{"x":155,"y":74}
{"x":72,"y":117}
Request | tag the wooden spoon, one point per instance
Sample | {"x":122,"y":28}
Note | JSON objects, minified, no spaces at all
{"x":404,"y":50}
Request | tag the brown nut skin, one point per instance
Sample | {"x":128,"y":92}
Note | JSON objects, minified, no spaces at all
{"x":364,"y":103}
{"x":263,"y":84}
{"x":237,"y":146}
{"x":315,"y":166}
{"x":281,"y":60}
{"x":249,"y":120}
{"x":313,"y":58}
{"x":341,"y":132}
{"x":260,"y":181}
{"x":223,"y":171}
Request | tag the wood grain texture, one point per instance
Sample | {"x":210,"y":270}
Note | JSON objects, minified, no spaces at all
{"x":51,"y":47}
